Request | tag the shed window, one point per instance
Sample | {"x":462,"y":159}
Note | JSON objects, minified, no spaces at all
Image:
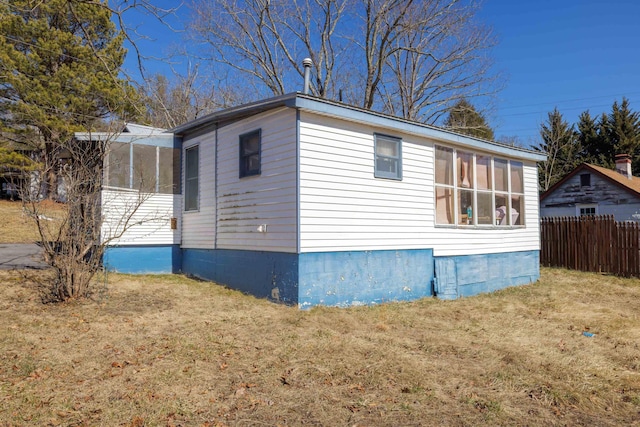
{"x":388,"y":157}
{"x":191,"y":179}
{"x":587,"y":210}
{"x":250,"y":153}
{"x":585,"y":180}
{"x":477,"y":190}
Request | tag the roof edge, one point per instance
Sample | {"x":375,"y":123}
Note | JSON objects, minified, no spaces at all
{"x":333,"y":108}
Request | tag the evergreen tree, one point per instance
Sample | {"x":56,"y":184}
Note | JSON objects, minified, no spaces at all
{"x":623,"y":132}
{"x":591,"y":142}
{"x":612,"y":134}
{"x":59,"y":66}
{"x":560,"y":144}
{"x":464,"y":118}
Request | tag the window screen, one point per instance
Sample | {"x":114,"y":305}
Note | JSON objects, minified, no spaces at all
{"x":144,"y":168}
{"x":118,"y":169}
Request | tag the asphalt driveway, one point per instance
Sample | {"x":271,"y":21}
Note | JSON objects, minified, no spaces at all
{"x":21,"y":256}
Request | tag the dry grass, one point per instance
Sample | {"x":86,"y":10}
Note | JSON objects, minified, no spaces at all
{"x":17,"y":226}
{"x":169,"y":351}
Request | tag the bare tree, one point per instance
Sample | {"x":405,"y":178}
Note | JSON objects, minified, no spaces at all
{"x":75,"y":237}
{"x":170,"y":103}
{"x":438,"y":59}
{"x":266,"y":40}
{"x":405,"y":57}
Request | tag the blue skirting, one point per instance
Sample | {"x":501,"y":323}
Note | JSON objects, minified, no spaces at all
{"x":461,"y":276}
{"x":364,"y":277}
{"x":263,"y":274}
{"x":335,"y":278}
{"x":143,"y":259}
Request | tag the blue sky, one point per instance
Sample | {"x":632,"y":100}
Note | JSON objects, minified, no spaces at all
{"x":571,"y":54}
{"x":574,"y":55}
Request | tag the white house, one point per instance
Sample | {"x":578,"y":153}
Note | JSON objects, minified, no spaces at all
{"x":309,"y":201}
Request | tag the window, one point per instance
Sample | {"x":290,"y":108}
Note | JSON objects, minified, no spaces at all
{"x":191,"y":179}
{"x":250,"y":153}
{"x":119,"y":165}
{"x":143,"y":167}
{"x":477,"y":190}
{"x":169,"y":170}
{"x":388,"y":153}
{"x":587,"y":210}
{"x":585,"y":180}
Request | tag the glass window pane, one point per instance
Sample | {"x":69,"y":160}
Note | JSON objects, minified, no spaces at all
{"x":517,"y":210}
{"x":465,"y":170}
{"x":191,"y":179}
{"x":191,"y":163}
{"x":250,"y":145}
{"x":483,"y":172}
{"x":485,"y":209}
{"x":169,"y":178}
{"x":387,"y":165}
{"x":502,"y":209}
{"x":144,"y":168}
{"x":444,"y":205}
{"x":516,"y":177}
{"x":444,"y":165}
{"x":119,"y":162}
{"x":465,"y":207}
{"x":250,"y":154}
{"x":501,"y":173}
{"x":385,"y":147}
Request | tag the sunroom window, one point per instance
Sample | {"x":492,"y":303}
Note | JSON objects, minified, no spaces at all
{"x":474,"y":189}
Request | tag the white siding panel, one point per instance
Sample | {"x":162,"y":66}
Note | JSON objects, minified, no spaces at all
{"x":199,"y":226}
{"x":131,"y":218}
{"x":270,"y":199}
{"x":343,"y":207}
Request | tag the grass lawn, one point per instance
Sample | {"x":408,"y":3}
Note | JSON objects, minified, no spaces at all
{"x":16,"y":226}
{"x":170,"y":351}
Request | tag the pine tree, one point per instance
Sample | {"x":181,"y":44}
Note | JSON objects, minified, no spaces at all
{"x":560,"y":144}
{"x":59,"y":66}
{"x":464,"y":118}
{"x":591,"y":142}
{"x":623,"y":132}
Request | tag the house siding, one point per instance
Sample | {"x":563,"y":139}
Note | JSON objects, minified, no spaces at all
{"x":344,"y":208}
{"x":199,"y":226}
{"x":146,"y":218}
{"x":244,"y":204}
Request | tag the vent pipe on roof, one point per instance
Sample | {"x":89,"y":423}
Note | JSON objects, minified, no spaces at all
{"x":307,"y":72}
{"x":623,"y":165}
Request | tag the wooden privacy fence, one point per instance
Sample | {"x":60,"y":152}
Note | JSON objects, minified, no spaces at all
{"x":591,"y":243}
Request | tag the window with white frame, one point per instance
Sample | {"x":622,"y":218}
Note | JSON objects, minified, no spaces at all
{"x":474,"y":189}
{"x":388,"y":157}
{"x":191,"y":176}
{"x":587,"y":210}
